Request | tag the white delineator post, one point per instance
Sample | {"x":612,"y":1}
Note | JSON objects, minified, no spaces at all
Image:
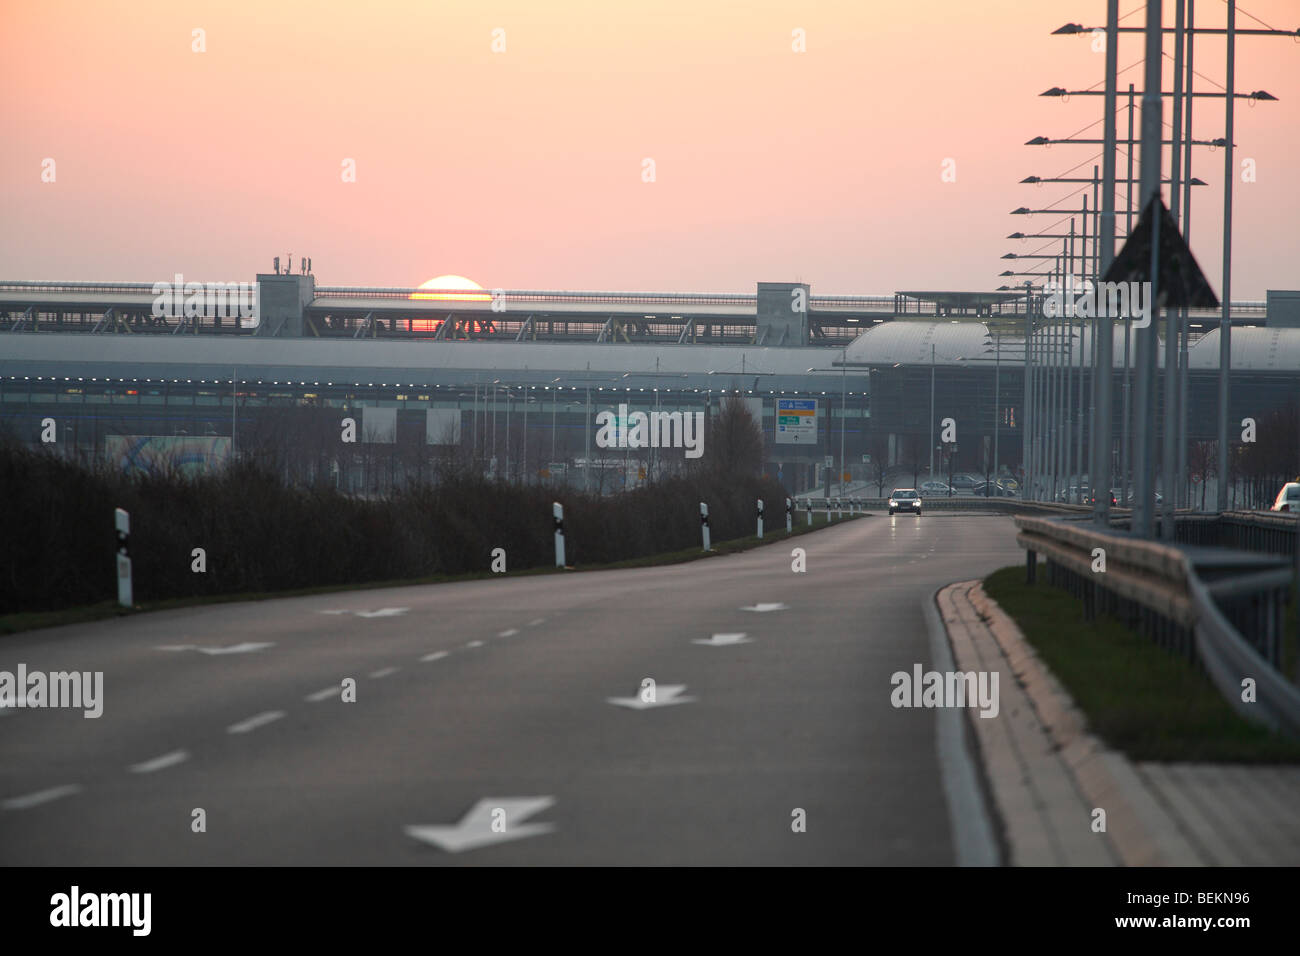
{"x":704,"y":525}
{"x":808,"y":511}
{"x":760,"y":517}
{"x":557,"y":510}
{"x":124,"y":590}
{"x":789,"y":516}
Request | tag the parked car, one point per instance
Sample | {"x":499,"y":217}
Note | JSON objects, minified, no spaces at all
{"x":1288,"y":499}
{"x":963,"y":483}
{"x":904,"y":499}
{"x":1159,"y":498}
{"x":936,"y":489}
{"x":1075,"y":494}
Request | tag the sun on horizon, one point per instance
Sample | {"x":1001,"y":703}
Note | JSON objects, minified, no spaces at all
{"x":453,"y":288}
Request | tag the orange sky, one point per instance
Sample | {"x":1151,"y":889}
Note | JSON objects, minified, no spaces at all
{"x":523,"y":169}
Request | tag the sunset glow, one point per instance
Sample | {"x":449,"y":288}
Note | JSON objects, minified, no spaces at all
{"x":444,"y":285}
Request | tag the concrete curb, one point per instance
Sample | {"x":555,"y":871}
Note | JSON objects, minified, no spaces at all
{"x":1047,"y":773}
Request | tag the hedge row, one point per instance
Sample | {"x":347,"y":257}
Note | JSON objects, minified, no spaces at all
{"x":261,"y":534}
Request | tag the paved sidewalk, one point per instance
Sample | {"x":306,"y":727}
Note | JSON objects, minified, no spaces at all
{"x":1047,"y":775}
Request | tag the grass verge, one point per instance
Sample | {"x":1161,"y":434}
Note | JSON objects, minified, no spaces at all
{"x":33,"y":620}
{"x":1136,"y":696}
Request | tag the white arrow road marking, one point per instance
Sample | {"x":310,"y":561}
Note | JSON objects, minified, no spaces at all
{"x":383,"y":612}
{"x":323,"y":694}
{"x":161,"y":763}
{"x":252,"y":723}
{"x":383,"y":672}
{"x":245,"y":648}
{"x":535,"y":621}
{"x":475,"y":828}
{"x":665,"y":696}
{"x":721,"y":640}
{"x":508,"y":632}
{"x":474,"y":644}
{"x":435,"y":656}
{"x":335,"y":612}
{"x":764,"y":608}
{"x":41,"y":796}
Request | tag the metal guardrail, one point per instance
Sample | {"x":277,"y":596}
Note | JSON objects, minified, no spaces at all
{"x":965,"y":503}
{"x":1261,"y":531}
{"x":1231,"y":625}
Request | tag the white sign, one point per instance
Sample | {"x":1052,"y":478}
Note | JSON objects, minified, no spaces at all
{"x":379,"y":425}
{"x":796,"y":421}
{"x":442,"y":426}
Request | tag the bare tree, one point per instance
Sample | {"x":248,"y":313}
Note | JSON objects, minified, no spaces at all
{"x":735,"y":443}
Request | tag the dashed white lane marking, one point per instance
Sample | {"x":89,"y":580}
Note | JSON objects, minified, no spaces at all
{"x":261,"y":720}
{"x":535,"y":621}
{"x":161,"y":763}
{"x":41,"y":796}
{"x":383,"y":612}
{"x":509,"y":632}
{"x":722,"y":640}
{"x":435,"y":656}
{"x":474,"y":644}
{"x":323,"y":694}
{"x":383,"y":672}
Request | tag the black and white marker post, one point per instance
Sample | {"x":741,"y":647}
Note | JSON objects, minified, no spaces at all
{"x":789,"y":516}
{"x":557,"y":510}
{"x":808,"y":505}
{"x":704,"y":525}
{"x":760,"y":518}
{"x":123,"y":522}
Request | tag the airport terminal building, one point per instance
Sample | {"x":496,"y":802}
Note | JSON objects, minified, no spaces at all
{"x":515,"y":379}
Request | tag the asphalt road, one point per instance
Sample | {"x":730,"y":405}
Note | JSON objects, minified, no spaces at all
{"x":499,"y":690}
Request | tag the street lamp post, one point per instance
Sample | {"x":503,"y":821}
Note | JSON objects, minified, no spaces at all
{"x":1225,"y":324}
{"x":844,"y":380}
{"x":1028,"y":423}
{"x":931,"y":478}
{"x":997,"y":408}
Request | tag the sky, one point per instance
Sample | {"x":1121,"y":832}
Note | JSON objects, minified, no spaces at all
{"x":679,"y":145}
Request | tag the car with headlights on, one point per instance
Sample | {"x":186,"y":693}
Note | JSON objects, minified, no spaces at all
{"x":904,"y":499}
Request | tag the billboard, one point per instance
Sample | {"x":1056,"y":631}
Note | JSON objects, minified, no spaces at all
{"x":796,"y":421}
{"x":161,"y":453}
{"x":442,"y":426}
{"x":379,"y":425}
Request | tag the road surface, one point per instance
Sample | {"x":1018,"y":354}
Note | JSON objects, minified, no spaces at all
{"x":500,"y":691}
